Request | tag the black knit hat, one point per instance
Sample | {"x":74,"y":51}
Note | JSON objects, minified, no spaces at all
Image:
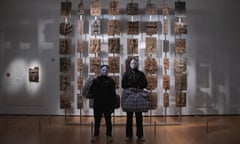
{"x":104,"y":66}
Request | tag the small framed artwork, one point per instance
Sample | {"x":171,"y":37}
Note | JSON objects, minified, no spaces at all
{"x":33,"y":74}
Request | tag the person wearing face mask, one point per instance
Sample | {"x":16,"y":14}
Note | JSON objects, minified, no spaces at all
{"x":104,"y":95}
{"x":134,"y":78}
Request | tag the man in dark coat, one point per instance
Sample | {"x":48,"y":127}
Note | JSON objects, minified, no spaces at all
{"x":104,"y":95}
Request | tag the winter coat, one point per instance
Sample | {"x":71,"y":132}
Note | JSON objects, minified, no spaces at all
{"x":134,"y":79}
{"x":104,"y":94}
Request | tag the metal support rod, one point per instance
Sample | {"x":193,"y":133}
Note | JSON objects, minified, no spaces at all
{"x":207,"y":126}
{"x":155,"y":127}
{"x":80,"y":116}
{"x":39,"y":127}
{"x":6,"y":122}
{"x":92,"y":128}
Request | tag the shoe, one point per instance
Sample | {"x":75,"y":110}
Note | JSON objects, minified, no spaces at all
{"x":109,"y":138}
{"x":128,"y":139}
{"x":141,"y":139}
{"x":94,"y":138}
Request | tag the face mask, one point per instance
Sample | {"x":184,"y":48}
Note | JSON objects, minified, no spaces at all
{"x":133,"y":64}
{"x":104,"y":70}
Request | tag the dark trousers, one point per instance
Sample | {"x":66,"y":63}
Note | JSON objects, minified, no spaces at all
{"x":97,"y":119}
{"x":129,"y":124}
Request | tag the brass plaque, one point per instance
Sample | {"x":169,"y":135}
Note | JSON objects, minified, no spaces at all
{"x":180,"y":28}
{"x":166,"y":63}
{"x":165,"y":99}
{"x":113,"y":27}
{"x":95,"y":45}
{"x":181,"y":99}
{"x":151,"y":9}
{"x":80,"y":82}
{"x":133,"y":28}
{"x":152,"y":82}
{"x":80,"y":26}
{"x":95,"y":8}
{"x":114,"y":45}
{"x":180,"y":8}
{"x":79,"y":101}
{"x":65,"y":64}
{"x":166,"y":82}
{"x":180,"y":46}
{"x":65,"y":46}
{"x":80,"y":46}
{"x":113,"y":7}
{"x":132,"y":8}
{"x":114,"y":64}
{"x":151,"y":28}
{"x":79,"y":64}
{"x":80,"y":8}
{"x":153,"y":99}
{"x":151,"y":65}
{"x":180,"y":81}
{"x":165,"y":10}
{"x":66,"y":9}
{"x":165,"y":26}
{"x":65,"y":82}
{"x":180,"y":65}
{"x":95,"y":63}
{"x":65,"y":28}
{"x":132,"y":46}
{"x":165,"y":46}
{"x":95,"y":27}
{"x":151,"y":45}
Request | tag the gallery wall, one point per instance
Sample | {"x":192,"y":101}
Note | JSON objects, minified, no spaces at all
{"x":29,"y":36}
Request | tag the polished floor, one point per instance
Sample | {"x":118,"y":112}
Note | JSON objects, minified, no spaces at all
{"x":157,"y":130}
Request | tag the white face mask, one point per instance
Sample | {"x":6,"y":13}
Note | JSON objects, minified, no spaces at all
{"x":104,"y":71}
{"x":133,"y":64}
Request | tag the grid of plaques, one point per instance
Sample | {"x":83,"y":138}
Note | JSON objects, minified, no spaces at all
{"x":95,"y":41}
{"x":151,"y":48}
{"x":132,"y":32}
{"x":65,"y":50}
{"x":113,"y":32}
{"x":180,"y":62}
{"x":80,"y":50}
{"x":148,"y":39}
{"x":166,"y":57}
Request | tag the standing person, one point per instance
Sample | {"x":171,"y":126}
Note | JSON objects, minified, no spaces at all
{"x":134,"y":79}
{"x":104,"y":95}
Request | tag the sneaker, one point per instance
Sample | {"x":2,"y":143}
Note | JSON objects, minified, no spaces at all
{"x":109,"y":138}
{"x":94,"y":138}
{"x":128,"y":139}
{"x":141,"y":139}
